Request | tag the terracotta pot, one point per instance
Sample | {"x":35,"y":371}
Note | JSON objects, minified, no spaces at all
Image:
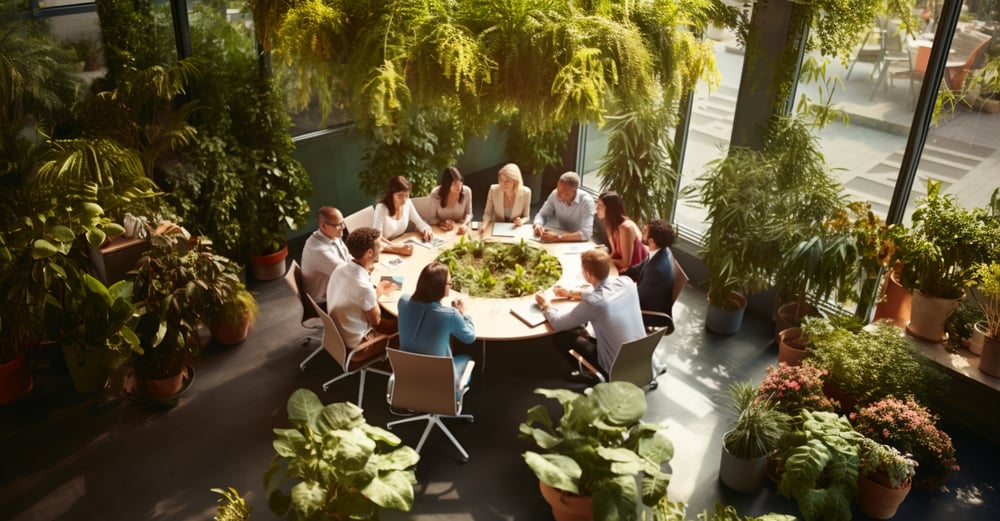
{"x":742,"y":475}
{"x":15,"y":379}
{"x":270,"y":266}
{"x":160,"y":388}
{"x":791,"y":349}
{"x":230,"y":334}
{"x":989,"y":359}
{"x":897,"y":303}
{"x":566,"y":506}
{"x":789,"y":315}
{"x":877,"y":499}
{"x":928,"y":316}
{"x":848,"y":402}
{"x":726,"y":321}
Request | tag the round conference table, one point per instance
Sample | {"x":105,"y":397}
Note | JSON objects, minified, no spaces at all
{"x":492,"y":317}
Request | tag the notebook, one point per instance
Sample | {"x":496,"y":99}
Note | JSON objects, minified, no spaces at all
{"x":504,"y":229}
{"x":529,"y":313}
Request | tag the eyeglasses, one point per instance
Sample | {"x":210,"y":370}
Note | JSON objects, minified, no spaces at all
{"x":335,"y":225}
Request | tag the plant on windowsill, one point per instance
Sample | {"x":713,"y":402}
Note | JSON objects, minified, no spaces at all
{"x":338,"y":466}
{"x":987,"y":295}
{"x":755,"y":432}
{"x":818,"y":465}
{"x":910,"y":428}
{"x":597,"y":449}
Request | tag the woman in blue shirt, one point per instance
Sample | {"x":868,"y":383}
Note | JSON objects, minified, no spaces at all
{"x":426,"y":326}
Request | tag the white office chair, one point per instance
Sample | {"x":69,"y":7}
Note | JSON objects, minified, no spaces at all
{"x":423,"y":207}
{"x":425,"y":383}
{"x":309,"y":320}
{"x":334,"y":344}
{"x":364,"y":217}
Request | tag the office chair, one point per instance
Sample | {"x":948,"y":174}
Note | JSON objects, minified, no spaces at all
{"x":309,"y":320}
{"x":334,"y":344}
{"x":634,"y":362}
{"x":425,"y":383}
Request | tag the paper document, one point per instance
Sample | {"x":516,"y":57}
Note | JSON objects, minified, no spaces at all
{"x":391,"y":262}
{"x":504,"y":229}
{"x":433,"y":243}
{"x":397,"y":288}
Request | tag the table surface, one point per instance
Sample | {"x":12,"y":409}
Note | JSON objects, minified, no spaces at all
{"x":492,"y":316}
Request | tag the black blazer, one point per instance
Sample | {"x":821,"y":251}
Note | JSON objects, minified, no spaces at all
{"x":655,"y":281}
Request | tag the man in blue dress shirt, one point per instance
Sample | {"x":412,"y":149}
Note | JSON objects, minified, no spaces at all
{"x":567,"y":209}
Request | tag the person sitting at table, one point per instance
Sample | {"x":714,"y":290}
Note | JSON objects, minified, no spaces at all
{"x":612,"y":306}
{"x":351,"y":298}
{"x":393,"y":215}
{"x":323,"y":252}
{"x":655,"y":277}
{"x":623,"y":234}
{"x":509,"y":200}
{"x":426,"y":325}
{"x":567,"y":208}
{"x":451,"y":202}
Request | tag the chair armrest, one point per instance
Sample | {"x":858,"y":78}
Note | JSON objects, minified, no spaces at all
{"x":375,"y":339}
{"x":670,"y":320}
{"x":584,"y":363}
{"x":463,"y":382}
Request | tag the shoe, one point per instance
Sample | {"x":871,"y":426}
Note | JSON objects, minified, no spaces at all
{"x":583,"y":378}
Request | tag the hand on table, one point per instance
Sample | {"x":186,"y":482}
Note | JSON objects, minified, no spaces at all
{"x":541,"y":300}
{"x":427,"y":235}
{"x":399,"y":249}
{"x":446,"y":225}
{"x":562,"y":292}
{"x":517,"y":222}
{"x":460,"y":230}
{"x":549,"y":236}
{"x":384,"y":287}
{"x":459,"y":305}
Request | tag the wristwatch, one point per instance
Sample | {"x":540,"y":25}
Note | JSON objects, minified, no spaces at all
{"x":558,"y":236}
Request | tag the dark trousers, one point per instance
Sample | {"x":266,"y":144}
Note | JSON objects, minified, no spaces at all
{"x":580,"y":341}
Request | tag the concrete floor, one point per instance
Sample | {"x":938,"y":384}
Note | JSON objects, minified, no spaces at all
{"x":73,"y":457}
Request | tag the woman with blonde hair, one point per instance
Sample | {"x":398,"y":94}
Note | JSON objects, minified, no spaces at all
{"x":509,"y":200}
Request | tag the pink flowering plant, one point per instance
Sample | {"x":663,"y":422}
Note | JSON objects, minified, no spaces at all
{"x":793,"y":388}
{"x":910,"y":428}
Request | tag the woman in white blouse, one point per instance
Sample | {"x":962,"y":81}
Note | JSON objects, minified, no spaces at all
{"x":451,"y":202}
{"x":509,"y":200}
{"x":394,"y":213}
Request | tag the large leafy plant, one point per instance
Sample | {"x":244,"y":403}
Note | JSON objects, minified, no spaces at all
{"x":599,"y":447}
{"x":819,"y":465}
{"x":338,"y":465}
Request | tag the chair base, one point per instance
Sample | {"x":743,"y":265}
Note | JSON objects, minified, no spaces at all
{"x":432,"y":420}
{"x":361,"y":385}
{"x":318,"y":350}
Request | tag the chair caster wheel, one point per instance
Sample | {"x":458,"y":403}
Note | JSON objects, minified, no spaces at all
{"x":653,"y":385}
{"x":325,"y":388}
{"x":470,"y":420}
{"x":463,"y":460}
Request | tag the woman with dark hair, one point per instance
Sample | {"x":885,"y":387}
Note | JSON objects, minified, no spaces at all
{"x":393,"y":215}
{"x":451,"y":202}
{"x":426,"y":326}
{"x":624,"y":235}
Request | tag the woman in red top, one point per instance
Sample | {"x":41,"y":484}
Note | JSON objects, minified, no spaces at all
{"x":627,"y":248}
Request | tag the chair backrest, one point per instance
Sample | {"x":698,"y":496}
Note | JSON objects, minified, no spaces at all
{"x":361,"y":218}
{"x":423,"y":207}
{"x":634,"y":362}
{"x":332,"y":341}
{"x":423,"y":383}
{"x":680,"y":280}
{"x":294,"y":279}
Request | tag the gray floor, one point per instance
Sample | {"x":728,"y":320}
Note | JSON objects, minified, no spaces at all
{"x":72,"y":457}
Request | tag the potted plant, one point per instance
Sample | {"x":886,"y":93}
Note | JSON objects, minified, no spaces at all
{"x":987,"y":295}
{"x":884,"y":479}
{"x":592,"y":456}
{"x":910,"y":428}
{"x":960,"y":326}
{"x":231,"y":507}
{"x":818,"y":465}
{"x":171,"y":299}
{"x":754,"y":435}
{"x":792,"y":388}
{"x":338,"y":466}
{"x":230,"y":320}
{"x":91,"y":323}
{"x":873,"y":363}
{"x":938,"y":253}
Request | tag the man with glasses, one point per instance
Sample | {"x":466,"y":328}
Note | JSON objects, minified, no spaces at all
{"x":324,"y":252}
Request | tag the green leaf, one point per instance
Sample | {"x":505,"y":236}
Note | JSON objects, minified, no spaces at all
{"x":304,"y":407}
{"x":392,"y":490}
{"x":555,"y":470}
{"x":309,"y":497}
{"x":42,"y":249}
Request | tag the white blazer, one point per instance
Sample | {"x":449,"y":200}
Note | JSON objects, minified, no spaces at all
{"x":494,"y":205}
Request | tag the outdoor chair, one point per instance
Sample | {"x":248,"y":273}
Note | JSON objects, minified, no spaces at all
{"x":426,"y":384}
{"x":871,"y":49}
{"x":334,"y":344}
{"x":309,"y":320}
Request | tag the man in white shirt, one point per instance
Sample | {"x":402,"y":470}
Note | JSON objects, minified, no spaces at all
{"x":352,"y":299}
{"x":324,"y":252}
{"x":568,"y":209}
{"x":612,"y":307}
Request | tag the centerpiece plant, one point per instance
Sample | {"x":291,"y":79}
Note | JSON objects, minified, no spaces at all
{"x":500,"y":270}
{"x":598,"y":448}
{"x":911,"y":428}
{"x":338,"y":465}
{"x":818,"y":464}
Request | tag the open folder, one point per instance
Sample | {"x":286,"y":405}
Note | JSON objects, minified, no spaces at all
{"x":529,"y":313}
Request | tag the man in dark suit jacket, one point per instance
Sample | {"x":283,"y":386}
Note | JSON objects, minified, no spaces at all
{"x":655,"y":276}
